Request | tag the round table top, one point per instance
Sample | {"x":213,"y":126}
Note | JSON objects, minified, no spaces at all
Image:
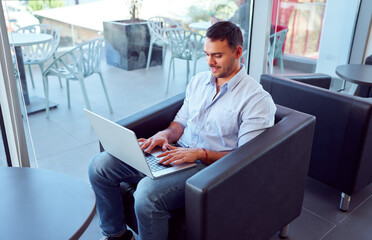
{"x":356,"y":73}
{"x":42,"y":204}
{"x":26,"y":39}
{"x":200,"y":25}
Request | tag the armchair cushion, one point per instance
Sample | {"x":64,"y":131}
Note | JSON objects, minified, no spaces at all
{"x":250,"y":193}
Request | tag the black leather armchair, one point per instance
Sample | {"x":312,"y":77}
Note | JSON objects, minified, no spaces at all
{"x":342,"y":154}
{"x":251,"y":193}
{"x":315,"y":79}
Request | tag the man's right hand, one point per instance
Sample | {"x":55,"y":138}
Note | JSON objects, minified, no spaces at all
{"x":160,"y":139}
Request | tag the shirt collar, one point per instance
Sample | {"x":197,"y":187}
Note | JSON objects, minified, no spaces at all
{"x":233,"y":81}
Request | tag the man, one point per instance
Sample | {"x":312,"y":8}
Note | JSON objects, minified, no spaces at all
{"x":223,"y":109}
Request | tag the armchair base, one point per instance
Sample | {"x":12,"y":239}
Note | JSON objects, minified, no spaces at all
{"x":345,"y":202}
{"x":284,"y":232}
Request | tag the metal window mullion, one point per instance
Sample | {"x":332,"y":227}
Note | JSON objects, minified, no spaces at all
{"x":10,"y":102}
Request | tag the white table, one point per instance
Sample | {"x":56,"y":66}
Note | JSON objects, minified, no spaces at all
{"x":27,"y":39}
{"x":42,"y":204}
{"x":202,"y":26}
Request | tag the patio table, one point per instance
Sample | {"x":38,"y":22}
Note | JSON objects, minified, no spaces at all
{"x":18,"y":40}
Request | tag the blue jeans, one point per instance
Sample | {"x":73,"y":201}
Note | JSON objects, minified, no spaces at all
{"x":154,"y":198}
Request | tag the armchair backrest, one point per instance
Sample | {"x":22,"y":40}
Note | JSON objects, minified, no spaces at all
{"x":342,"y":154}
{"x":149,"y":121}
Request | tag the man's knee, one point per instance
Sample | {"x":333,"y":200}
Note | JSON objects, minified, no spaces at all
{"x":146,"y":196}
{"x":98,"y":165}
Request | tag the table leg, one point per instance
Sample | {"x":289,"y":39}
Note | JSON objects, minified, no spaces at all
{"x":22,"y":74}
{"x":364,"y":91}
{"x":38,"y":104}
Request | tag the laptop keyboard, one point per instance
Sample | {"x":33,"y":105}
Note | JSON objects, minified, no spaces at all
{"x":153,"y":163}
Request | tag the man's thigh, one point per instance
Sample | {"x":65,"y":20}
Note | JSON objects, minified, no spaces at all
{"x":114,"y":169}
{"x":168,"y":190}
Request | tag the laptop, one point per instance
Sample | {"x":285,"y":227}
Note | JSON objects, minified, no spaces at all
{"x":122,"y":143}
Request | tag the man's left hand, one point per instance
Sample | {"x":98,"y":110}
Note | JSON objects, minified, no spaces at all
{"x":177,"y":155}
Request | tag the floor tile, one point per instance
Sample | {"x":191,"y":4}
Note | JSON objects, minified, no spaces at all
{"x":47,"y":142}
{"x":324,"y":200}
{"x":93,"y":232}
{"x":356,"y":226}
{"x":307,"y":226}
{"x":73,"y":161}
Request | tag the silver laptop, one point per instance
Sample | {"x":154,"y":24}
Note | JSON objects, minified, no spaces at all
{"x":122,"y":143}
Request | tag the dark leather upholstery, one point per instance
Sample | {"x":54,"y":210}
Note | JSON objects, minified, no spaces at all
{"x":315,"y":79}
{"x":249,"y":194}
{"x":368,"y":60}
{"x":342,"y":149}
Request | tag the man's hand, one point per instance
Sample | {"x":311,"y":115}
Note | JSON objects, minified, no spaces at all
{"x":160,"y":139}
{"x":179,"y":155}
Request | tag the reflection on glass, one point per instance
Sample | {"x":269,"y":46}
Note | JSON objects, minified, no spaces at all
{"x":304,"y":19}
{"x":303,"y":22}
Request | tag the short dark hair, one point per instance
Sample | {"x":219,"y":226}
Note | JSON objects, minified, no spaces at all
{"x":226,"y":30}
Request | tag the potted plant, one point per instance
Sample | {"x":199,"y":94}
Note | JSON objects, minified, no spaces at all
{"x":127,"y":41}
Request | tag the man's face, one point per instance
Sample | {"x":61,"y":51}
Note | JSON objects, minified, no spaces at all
{"x":222,"y":60}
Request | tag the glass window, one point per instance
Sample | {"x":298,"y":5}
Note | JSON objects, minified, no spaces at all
{"x":65,"y":141}
{"x":297,"y":25}
{"x":309,"y":38}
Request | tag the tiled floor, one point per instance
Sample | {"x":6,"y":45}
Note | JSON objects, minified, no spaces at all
{"x":65,"y":142}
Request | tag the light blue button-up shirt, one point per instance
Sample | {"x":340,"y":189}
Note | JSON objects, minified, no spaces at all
{"x":240,"y":111}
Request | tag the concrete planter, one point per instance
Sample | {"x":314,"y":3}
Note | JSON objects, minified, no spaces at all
{"x":127,"y":45}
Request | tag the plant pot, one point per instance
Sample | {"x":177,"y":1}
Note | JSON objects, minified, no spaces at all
{"x":127,"y":45}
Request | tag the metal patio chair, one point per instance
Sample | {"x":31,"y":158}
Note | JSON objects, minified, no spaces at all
{"x":187,"y":45}
{"x":42,"y":52}
{"x":77,"y":64}
{"x":275,"y":49}
{"x":157,"y":27}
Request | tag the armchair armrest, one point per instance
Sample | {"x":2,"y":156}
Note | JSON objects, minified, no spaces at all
{"x":255,"y":190}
